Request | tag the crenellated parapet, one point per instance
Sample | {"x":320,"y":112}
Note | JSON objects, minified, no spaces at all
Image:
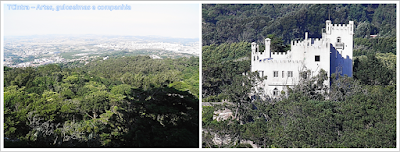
{"x":334,"y":50}
{"x":344,"y":26}
{"x":279,"y":53}
{"x":310,"y":44}
{"x":282,"y":61}
{"x":339,"y":27}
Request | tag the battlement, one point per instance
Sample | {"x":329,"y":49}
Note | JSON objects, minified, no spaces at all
{"x":340,"y":25}
{"x":271,"y":60}
{"x":334,"y":27}
{"x":308,"y":42}
{"x":282,"y":61}
{"x":279,"y":53}
{"x":259,"y":53}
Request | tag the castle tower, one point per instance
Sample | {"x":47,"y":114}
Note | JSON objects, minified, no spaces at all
{"x":340,"y":36}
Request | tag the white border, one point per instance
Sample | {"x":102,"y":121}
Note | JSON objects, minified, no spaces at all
{"x":87,"y":149}
{"x":397,"y":75}
{"x":200,"y":77}
{"x":2,"y":79}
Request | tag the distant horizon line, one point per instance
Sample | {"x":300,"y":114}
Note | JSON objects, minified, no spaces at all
{"x":101,"y":35}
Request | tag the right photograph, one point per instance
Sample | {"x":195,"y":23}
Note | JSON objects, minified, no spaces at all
{"x":299,"y":75}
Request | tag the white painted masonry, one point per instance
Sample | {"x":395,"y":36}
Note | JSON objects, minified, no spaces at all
{"x":333,"y":52}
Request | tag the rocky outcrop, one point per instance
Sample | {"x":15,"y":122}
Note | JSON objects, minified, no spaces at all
{"x":222,"y":115}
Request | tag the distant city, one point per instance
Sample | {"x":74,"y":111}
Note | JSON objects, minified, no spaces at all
{"x":32,"y":51}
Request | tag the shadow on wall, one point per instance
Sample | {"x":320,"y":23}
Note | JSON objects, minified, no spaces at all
{"x":342,"y":65}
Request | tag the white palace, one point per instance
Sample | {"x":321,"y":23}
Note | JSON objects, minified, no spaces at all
{"x":333,"y":53}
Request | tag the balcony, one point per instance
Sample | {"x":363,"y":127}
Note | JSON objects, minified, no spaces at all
{"x":339,"y":45}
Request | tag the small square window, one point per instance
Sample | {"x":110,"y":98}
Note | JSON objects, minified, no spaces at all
{"x":317,"y":59}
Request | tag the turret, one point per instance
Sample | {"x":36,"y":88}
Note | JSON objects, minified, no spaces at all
{"x":253,"y":47}
{"x":307,"y":43}
{"x":306,"y":35}
{"x":254,"y":52}
{"x":268,"y":47}
{"x":328,"y":27}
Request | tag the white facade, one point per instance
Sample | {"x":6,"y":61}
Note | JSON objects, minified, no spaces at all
{"x":333,"y":52}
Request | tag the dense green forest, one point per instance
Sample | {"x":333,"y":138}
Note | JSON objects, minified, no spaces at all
{"x":355,"y":116}
{"x":355,"y":112}
{"x":119,"y":102}
{"x":223,"y":23}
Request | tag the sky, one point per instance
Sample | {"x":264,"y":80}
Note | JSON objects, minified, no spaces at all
{"x":176,"y":20}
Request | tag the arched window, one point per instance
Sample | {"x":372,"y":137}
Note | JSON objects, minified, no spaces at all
{"x":275,"y":92}
{"x":339,"y":44}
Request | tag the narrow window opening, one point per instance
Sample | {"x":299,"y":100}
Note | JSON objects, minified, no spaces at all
{"x":290,"y":73}
{"x":275,"y":73}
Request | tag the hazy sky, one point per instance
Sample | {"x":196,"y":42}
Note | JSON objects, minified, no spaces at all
{"x":162,"y":19}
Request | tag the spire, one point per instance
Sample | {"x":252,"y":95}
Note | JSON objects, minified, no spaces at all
{"x":329,"y":12}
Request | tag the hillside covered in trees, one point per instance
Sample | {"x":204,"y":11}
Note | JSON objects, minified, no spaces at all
{"x":356,"y":112}
{"x":222,"y":23}
{"x":119,"y":102}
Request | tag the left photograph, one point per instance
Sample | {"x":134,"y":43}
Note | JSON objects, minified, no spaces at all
{"x":100,"y":74}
